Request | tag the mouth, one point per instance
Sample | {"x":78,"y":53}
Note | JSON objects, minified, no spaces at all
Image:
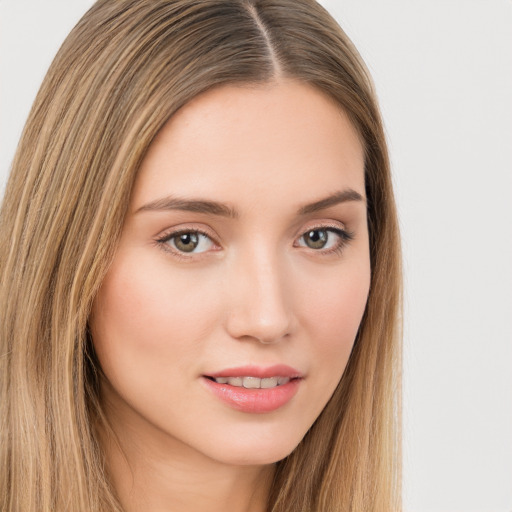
{"x":253,"y":389}
{"x":249,"y":382}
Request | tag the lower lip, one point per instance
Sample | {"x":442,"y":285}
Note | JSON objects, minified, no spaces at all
{"x":254,"y":400}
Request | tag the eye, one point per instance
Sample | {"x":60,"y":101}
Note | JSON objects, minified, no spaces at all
{"x":188,"y":242}
{"x":325,"y":239}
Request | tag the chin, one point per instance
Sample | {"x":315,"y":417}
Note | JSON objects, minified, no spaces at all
{"x":253,"y":450}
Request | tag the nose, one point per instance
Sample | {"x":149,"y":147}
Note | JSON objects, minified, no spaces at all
{"x":260,"y":300}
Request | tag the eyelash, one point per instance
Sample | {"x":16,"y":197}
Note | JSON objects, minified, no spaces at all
{"x":345,"y":237}
{"x":167,"y":237}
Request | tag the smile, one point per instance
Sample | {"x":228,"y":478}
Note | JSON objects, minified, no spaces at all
{"x":252,"y":382}
{"x":253,"y":389}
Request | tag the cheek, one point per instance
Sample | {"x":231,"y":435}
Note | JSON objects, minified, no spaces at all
{"x":142,"y":316}
{"x":333,"y":312}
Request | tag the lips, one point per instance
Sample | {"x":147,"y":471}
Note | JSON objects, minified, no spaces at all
{"x":254,"y":389}
{"x":252,"y":382}
{"x":277,"y":370}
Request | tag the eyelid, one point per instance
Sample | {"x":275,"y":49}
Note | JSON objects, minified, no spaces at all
{"x":339,"y":229}
{"x":332,"y":225}
{"x":166,"y":235}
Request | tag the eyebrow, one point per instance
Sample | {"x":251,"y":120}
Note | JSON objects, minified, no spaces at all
{"x":338,"y":197}
{"x":190,"y":205}
{"x":224,"y":210}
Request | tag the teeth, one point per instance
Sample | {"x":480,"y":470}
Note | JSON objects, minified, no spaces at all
{"x":253,"y":382}
{"x":269,"y":383}
{"x":236,"y":381}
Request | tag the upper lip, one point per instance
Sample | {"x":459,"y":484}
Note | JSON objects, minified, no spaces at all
{"x":262,"y":372}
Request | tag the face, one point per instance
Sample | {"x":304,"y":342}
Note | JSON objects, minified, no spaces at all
{"x":229,"y":312}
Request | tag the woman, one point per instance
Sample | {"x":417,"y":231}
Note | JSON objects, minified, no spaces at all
{"x":200,"y":269}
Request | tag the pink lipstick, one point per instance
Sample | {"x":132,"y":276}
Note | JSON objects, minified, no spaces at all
{"x":254,"y":389}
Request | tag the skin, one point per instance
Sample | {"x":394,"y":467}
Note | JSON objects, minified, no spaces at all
{"x":253,"y":292}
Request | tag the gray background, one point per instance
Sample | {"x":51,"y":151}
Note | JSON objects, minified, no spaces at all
{"x":443,"y":73}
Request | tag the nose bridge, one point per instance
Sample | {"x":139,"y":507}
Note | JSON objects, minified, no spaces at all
{"x":260,"y":302}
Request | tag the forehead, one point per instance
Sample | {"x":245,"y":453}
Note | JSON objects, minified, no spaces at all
{"x":278,"y":140}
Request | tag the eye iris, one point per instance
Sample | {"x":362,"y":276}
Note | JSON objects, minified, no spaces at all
{"x":316,"y":238}
{"x":186,"y":242}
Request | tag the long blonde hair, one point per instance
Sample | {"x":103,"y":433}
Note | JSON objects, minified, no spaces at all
{"x":122,"y":72}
